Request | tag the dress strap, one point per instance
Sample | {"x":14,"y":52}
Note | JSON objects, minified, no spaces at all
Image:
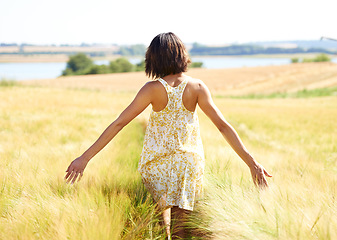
{"x":182,"y":84}
{"x":163,"y":82}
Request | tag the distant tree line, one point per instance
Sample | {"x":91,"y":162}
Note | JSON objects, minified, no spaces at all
{"x":8,"y":44}
{"x":200,"y":50}
{"x":2,"y":44}
{"x":319,"y":58}
{"x":133,"y":50}
{"x":197,"y":49}
{"x":22,"y":52}
{"x":196,"y":65}
{"x":81,"y":64}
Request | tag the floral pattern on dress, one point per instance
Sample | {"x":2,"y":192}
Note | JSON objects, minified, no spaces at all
{"x":172,"y":160}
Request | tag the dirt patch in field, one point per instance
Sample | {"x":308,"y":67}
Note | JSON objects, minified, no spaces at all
{"x":264,"y":80}
{"x":238,"y":81}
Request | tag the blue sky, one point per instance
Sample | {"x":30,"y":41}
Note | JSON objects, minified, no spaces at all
{"x":132,"y":22}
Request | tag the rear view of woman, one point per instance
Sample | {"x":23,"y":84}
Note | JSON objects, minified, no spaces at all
{"x":172,"y":160}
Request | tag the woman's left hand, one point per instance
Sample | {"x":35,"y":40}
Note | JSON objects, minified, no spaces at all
{"x":75,"y":170}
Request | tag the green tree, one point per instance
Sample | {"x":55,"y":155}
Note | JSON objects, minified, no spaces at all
{"x":98,"y":69}
{"x":196,"y":65}
{"x":121,"y":65}
{"x":322,"y":58}
{"x":307,"y":60}
{"x":133,"y":50}
{"x":140,"y":66}
{"x":319,"y":58}
{"x":67,"y":72}
{"x":78,"y":64}
{"x":294,"y":60}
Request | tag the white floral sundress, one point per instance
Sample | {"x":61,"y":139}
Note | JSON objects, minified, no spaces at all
{"x":172,"y":161}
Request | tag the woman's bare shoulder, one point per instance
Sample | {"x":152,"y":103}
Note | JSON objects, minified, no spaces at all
{"x":196,"y":83}
{"x":151,"y":85}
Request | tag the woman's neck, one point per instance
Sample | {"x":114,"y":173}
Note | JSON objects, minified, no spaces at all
{"x":174,"y":79}
{"x":177,"y":76}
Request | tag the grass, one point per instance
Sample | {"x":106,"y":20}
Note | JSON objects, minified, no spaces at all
{"x":40,"y":134}
{"x":4,"y":82}
{"x":43,"y":129}
{"x":318,"y":92}
{"x":295,"y":140}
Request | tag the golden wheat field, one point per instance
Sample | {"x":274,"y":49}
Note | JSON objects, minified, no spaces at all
{"x":46,"y":124}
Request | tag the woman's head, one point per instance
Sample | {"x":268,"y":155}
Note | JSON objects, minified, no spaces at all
{"x":166,"y":55}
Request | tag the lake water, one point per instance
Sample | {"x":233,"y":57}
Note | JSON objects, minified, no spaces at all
{"x":26,"y":71}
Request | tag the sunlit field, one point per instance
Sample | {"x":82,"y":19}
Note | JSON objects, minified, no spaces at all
{"x":43,"y":127}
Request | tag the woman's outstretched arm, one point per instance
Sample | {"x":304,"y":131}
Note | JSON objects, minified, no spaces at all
{"x":138,"y":105}
{"x":209,"y":108}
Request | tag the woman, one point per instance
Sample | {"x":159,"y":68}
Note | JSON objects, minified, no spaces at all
{"x":172,"y":160}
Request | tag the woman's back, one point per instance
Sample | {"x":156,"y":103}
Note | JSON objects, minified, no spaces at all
{"x":172,"y":160}
{"x":189,"y":97}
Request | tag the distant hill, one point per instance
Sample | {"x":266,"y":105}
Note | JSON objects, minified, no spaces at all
{"x":277,"y":47}
{"x":104,"y":50}
{"x":305,"y":44}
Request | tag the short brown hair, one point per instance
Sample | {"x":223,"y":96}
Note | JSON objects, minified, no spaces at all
{"x":166,"y":55}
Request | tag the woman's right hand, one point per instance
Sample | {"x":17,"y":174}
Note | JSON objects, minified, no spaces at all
{"x":75,"y":170}
{"x":259,"y":175}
